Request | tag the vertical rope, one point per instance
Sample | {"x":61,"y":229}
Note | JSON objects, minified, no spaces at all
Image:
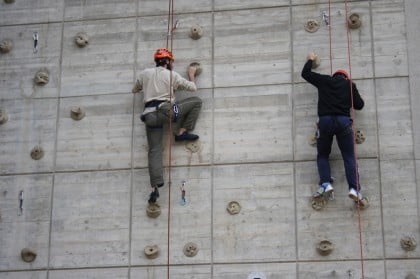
{"x":354,"y":141}
{"x":330,"y":34}
{"x":170,"y":134}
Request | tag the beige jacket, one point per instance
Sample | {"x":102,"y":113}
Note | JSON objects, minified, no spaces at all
{"x":155,"y":84}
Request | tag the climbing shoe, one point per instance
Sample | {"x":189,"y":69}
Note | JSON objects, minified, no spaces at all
{"x":154,"y":195}
{"x":355,"y":195}
{"x":186,"y":136}
{"x":324,"y":190}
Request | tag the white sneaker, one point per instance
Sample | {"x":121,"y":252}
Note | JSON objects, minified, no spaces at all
{"x":355,"y":195}
{"x":324,"y":189}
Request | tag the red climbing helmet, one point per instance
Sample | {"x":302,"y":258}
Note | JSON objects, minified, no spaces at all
{"x":342,"y":72}
{"x":163,"y":53}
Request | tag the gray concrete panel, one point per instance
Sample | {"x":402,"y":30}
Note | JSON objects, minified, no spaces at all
{"x":253,"y":124}
{"x":19,"y":66}
{"x":109,"y":273}
{"x":412,"y":9}
{"x":90,"y":220}
{"x":81,"y":9}
{"x":305,"y":2}
{"x":247,"y":4}
{"x":252,"y":47}
{"x":270,"y":271}
{"x":396,"y":269}
{"x":105,"y":65}
{"x":102,"y":139}
{"x":181,"y":154}
{"x":34,"y":11}
{"x":399,"y":201}
{"x":31,"y":122}
{"x":263,"y":229}
{"x":338,"y":220}
{"x":319,"y":42}
{"x":394,"y":119}
{"x":24,"y":275}
{"x":152,"y":35}
{"x":305,"y":117}
{"x":160,"y":7}
{"x":26,"y":228}
{"x":347,"y":269}
{"x":175,"y":272}
{"x":390,"y":41}
{"x":189,"y":223}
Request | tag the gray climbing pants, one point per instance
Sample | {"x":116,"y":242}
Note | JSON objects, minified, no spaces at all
{"x":189,"y":110}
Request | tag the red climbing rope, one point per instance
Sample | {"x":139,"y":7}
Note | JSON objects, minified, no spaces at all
{"x":330,"y":34}
{"x":354,"y":143}
{"x":170,"y":134}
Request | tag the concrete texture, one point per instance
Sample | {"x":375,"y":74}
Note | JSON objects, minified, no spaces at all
{"x":84,"y":206}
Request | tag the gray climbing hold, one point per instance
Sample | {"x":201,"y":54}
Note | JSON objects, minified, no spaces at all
{"x":411,"y":276}
{"x":408,"y":243}
{"x":77,"y":113}
{"x":151,"y":252}
{"x":359,"y":136}
{"x":312,"y":139}
{"x":364,"y":203}
{"x":6,"y":46}
{"x":318,"y":203}
{"x":37,"y":153}
{"x":198,"y":68}
{"x":354,"y":21}
{"x":196,"y":32}
{"x":190,"y":249}
{"x":28,"y":255}
{"x":193,"y":146}
{"x":324,"y":247}
{"x":153,"y":210}
{"x":312,"y":26}
{"x":233,"y":207}
{"x":81,"y":39}
{"x":3,"y":116}
{"x":42,"y":77}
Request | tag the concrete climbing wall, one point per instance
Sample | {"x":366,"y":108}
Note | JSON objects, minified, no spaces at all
{"x":82,"y":207}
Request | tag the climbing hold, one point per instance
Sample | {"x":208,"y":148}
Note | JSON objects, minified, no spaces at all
{"x":364,"y":203}
{"x":312,"y":26}
{"x":312,"y":139}
{"x":190,"y":249}
{"x":42,"y":77}
{"x":233,"y":207}
{"x":318,"y":203}
{"x":151,"y":252}
{"x":193,"y":146}
{"x":354,"y":21}
{"x":359,"y":136}
{"x":81,"y":39}
{"x":198,"y":67}
{"x":196,"y":32}
{"x":408,"y":243}
{"x":3,"y":116}
{"x":316,"y":62}
{"x":325,"y":247}
{"x":9,"y":1}
{"x":28,"y":255}
{"x":153,"y":210}
{"x":6,"y":46}
{"x":37,"y":153}
{"x":77,"y":113}
{"x":411,"y":276}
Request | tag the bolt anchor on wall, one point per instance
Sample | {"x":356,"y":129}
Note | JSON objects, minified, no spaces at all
{"x":35,"y":36}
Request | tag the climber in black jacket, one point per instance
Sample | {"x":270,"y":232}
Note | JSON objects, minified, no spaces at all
{"x":336,"y":96}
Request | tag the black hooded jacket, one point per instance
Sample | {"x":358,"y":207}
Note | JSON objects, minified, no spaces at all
{"x":334,"y":93}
